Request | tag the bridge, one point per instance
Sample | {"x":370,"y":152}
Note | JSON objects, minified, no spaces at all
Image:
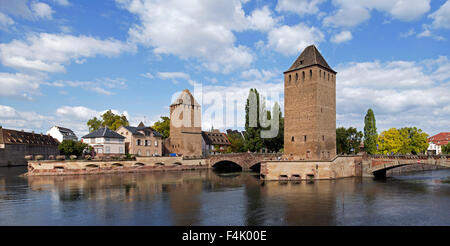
{"x":378,"y":164}
{"x":244,"y":161}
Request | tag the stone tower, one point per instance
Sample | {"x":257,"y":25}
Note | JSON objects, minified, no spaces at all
{"x":310,"y":108}
{"x":185,"y":126}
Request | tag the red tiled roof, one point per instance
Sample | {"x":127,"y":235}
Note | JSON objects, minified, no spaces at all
{"x":20,"y":137}
{"x":442,"y":138}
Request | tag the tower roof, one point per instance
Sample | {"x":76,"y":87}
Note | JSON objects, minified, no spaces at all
{"x":186,"y":98}
{"x":309,"y":57}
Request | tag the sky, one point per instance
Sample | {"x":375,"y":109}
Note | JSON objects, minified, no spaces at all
{"x":63,"y":62}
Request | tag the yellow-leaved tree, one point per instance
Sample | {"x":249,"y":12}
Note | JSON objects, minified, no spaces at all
{"x":389,"y":142}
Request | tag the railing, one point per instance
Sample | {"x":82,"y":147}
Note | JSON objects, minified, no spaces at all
{"x":407,"y":157}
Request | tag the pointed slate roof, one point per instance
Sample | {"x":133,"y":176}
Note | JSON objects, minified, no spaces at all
{"x":103,"y":132}
{"x":309,"y":57}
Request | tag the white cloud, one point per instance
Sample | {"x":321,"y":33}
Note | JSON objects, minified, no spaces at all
{"x":194,"y":29}
{"x":441,"y":17}
{"x":64,"y":3}
{"x":16,"y":8}
{"x":300,"y":7}
{"x":50,"y":52}
{"x":290,"y":40}
{"x":173,"y":76}
{"x":353,"y":12}
{"x":77,"y":112}
{"x":262,"y":75}
{"x":19,"y":85}
{"x":410,"y":32}
{"x":262,"y":19}
{"x":401,"y":93}
{"x":100,"y":86}
{"x":343,"y":36}
{"x":28,"y":121}
{"x":148,"y":75}
{"x":41,"y":10}
{"x":5,"y":21}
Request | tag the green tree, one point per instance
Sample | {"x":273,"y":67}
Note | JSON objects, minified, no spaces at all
{"x":163,"y":126}
{"x":370,"y":133}
{"x":275,"y":144}
{"x":109,"y":119}
{"x":414,"y":140}
{"x":446,"y":149}
{"x":70,"y":147}
{"x":253,"y":141}
{"x":348,"y":140}
{"x":237,"y":143}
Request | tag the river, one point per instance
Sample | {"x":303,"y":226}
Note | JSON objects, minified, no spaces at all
{"x":210,"y":198}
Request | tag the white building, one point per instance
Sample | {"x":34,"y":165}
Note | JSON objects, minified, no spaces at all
{"x":105,"y":142}
{"x":62,"y":133}
{"x":437,"y":141}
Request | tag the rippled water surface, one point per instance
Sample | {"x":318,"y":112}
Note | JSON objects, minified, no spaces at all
{"x":209,"y":198}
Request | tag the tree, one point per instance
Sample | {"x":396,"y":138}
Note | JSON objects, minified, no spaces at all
{"x":109,"y":119}
{"x":277,"y":143}
{"x":390,"y":142}
{"x":348,"y":140}
{"x":414,"y":140}
{"x":70,"y":147}
{"x":446,"y":149}
{"x":237,"y":143}
{"x":163,"y":126}
{"x":253,"y":141}
{"x":370,"y":133}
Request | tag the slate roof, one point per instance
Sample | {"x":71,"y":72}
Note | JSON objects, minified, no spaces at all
{"x":65,"y":131}
{"x":8,"y":136}
{"x":215,"y":138}
{"x":135,"y":130}
{"x":103,"y":132}
{"x":309,"y":57}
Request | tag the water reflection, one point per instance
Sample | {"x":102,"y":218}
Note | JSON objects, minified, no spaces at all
{"x":211,"y":198}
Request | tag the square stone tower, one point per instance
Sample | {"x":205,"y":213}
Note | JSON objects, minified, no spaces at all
{"x":310,"y":108}
{"x":185,"y":126}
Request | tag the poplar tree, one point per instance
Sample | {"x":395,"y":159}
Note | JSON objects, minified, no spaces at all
{"x":370,"y":133}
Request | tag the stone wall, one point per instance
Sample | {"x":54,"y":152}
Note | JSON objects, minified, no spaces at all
{"x":141,"y":164}
{"x":14,"y":154}
{"x":339,"y":167}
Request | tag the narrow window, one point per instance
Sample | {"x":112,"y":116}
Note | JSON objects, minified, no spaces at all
{"x":303,"y":75}
{"x":310,"y":74}
{"x":296,"y":76}
{"x":289,"y":78}
{"x":328,"y":76}
{"x":292,"y":139}
{"x":323,"y":137}
{"x":304,"y":138}
{"x":320,"y":73}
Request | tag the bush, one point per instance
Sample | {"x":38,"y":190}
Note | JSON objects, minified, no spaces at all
{"x":70,"y":147}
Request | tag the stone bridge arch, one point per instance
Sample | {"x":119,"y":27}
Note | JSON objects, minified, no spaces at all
{"x":379,"y":165}
{"x":246,"y":161}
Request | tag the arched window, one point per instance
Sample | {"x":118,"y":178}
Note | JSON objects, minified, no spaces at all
{"x":303,"y":75}
{"x":310,"y":74}
{"x":296,"y":76}
{"x":292,"y":139}
{"x":289,"y":78}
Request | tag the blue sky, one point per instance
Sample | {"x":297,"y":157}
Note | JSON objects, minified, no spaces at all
{"x":64,"y":61}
